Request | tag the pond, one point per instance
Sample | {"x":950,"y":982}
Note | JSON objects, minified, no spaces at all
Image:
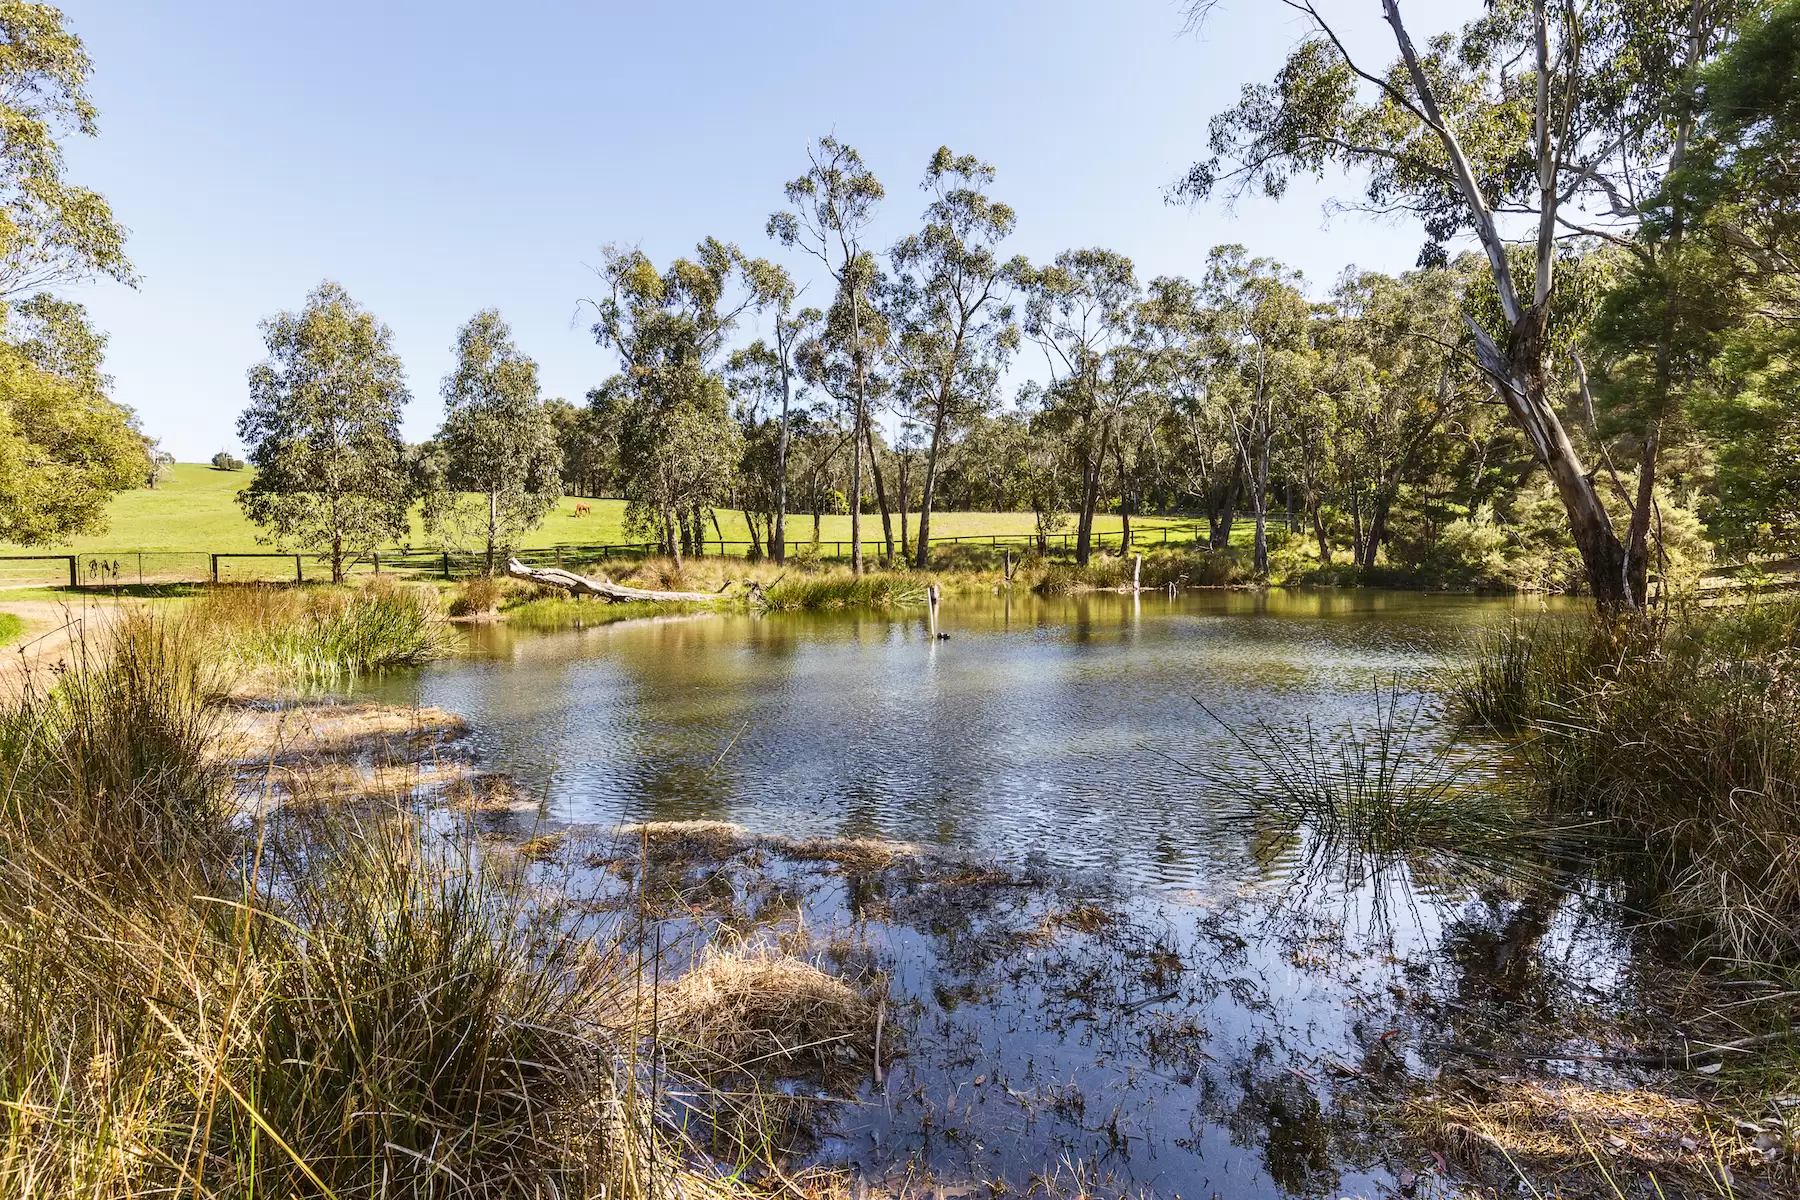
{"x":1135,"y":994}
{"x":1066,"y":729}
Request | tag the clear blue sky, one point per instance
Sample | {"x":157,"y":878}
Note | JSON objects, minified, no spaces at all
{"x":438,"y":158}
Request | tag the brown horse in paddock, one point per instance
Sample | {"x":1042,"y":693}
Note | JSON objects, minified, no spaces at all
{"x":582,"y":510}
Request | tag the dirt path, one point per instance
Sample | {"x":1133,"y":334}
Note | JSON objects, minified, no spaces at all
{"x":51,"y":626}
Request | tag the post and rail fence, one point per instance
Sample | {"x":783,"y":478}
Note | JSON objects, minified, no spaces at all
{"x":148,"y":568}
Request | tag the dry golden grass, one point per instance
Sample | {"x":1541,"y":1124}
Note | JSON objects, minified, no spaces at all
{"x":762,"y":1010}
{"x":852,"y":854}
{"x":1588,"y":1140}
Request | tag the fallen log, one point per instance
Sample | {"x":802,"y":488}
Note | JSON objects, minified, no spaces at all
{"x":581,"y":585}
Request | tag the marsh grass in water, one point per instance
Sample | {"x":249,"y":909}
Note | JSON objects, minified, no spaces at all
{"x":1161,"y":568}
{"x":325,"y":635}
{"x":809,"y":593}
{"x":562,"y":611}
{"x":1369,"y":797}
{"x":1683,"y":734}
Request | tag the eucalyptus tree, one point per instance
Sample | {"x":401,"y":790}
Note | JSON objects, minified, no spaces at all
{"x":765,"y":371}
{"x":1737,"y":283}
{"x":65,"y":446}
{"x":1171,"y":326}
{"x":1560,"y":117}
{"x":845,"y":358}
{"x":501,"y":461}
{"x":589,"y":454}
{"x":52,"y":231}
{"x":1079,"y":309}
{"x":669,"y":406}
{"x":1394,"y":365}
{"x":1260,"y":362}
{"x":323,"y":428}
{"x":831,"y":208}
{"x":952,"y":310}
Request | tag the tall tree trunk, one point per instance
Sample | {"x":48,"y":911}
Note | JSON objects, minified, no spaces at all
{"x":493,"y":527}
{"x":856,"y":474}
{"x":925,"y":501}
{"x":337,"y":556}
{"x":1518,"y":376}
{"x":905,"y":496}
{"x":1127,"y":501}
{"x":881,"y":501}
{"x":1090,"y":500}
{"x":756,"y":550}
{"x":1221,"y":530}
{"x":1259,"y":499}
{"x":778,"y":531}
{"x":1315,"y":508}
{"x":1378,"y":522}
{"x":670,"y":538}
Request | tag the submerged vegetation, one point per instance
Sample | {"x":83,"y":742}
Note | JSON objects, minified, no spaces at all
{"x":820,"y":593}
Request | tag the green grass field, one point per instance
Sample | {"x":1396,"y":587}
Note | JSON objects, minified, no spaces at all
{"x":195,"y":510}
{"x":10,"y":628}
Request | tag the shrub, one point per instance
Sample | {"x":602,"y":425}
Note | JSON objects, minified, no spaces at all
{"x":223,"y":461}
{"x":479,"y":596}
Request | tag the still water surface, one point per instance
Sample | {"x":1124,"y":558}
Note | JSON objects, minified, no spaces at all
{"x":1066,"y":729}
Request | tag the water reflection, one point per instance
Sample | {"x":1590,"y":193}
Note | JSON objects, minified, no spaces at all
{"x":1056,"y":728}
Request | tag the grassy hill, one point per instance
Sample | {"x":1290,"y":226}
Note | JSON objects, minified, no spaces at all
{"x":195,"y":510}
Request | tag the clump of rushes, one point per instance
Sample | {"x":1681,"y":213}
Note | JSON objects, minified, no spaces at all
{"x":1370,"y":797}
{"x":343,"y":1007}
{"x":1684,"y":734}
{"x":820,"y":593}
{"x":1523,"y":666}
{"x":326,"y":634}
{"x":114,"y":762}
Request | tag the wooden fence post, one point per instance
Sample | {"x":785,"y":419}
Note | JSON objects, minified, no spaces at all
{"x":446,"y":564}
{"x":73,"y":575}
{"x":299,"y":575}
{"x":215,"y":569}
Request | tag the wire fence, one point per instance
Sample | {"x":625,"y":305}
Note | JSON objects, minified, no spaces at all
{"x":152,"y":568}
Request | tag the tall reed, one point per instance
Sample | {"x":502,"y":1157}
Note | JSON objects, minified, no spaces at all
{"x":1685,"y":735}
{"x":197,"y":1001}
{"x":323,"y":635}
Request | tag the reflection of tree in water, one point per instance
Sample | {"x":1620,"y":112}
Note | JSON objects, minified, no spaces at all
{"x":1281,"y":1113}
